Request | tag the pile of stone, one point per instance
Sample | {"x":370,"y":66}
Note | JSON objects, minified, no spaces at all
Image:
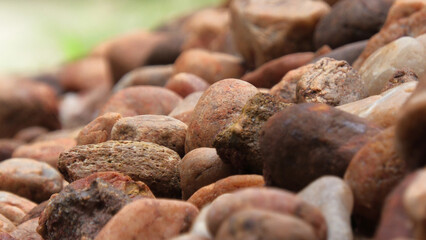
{"x":255,"y":119}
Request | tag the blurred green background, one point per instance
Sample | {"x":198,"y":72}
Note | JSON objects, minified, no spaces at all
{"x":38,"y":35}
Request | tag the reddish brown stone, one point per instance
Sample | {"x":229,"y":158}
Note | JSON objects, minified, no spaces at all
{"x":35,"y":212}
{"x":85,"y":75}
{"x":148,"y":75}
{"x":30,"y":133}
{"x":27,"y":230}
{"x":212,"y":114}
{"x":186,"y":83}
{"x":184,"y":110}
{"x":35,"y":104}
{"x":29,"y":178}
{"x":209,"y":193}
{"x":209,"y":66}
{"x":376,"y":162}
{"x":163,"y":219}
{"x":162,"y":130}
{"x":201,"y":167}
{"x":14,"y":207}
{"x":155,"y":165}
{"x":59,"y":134}
{"x":6,"y":236}
{"x":45,"y":151}
{"x":99,"y":130}
{"x":141,"y":100}
{"x":330,"y":139}
{"x":414,"y":200}
{"x":262,"y":224}
{"x":7,"y":147}
{"x":271,"y":73}
{"x":278,"y":201}
{"x":6,"y":225}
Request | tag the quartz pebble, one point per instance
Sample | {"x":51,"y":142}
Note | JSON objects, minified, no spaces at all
{"x":162,"y":130}
{"x":201,"y":167}
{"x":162,"y":219}
{"x":335,"y":200}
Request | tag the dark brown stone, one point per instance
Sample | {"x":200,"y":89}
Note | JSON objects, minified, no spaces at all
{"x":29,"y":134}
{"x":307,"y":141}
{"x":348,"y":52}
{"x":7,"y":147}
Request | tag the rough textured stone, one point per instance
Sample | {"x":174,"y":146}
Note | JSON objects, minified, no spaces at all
{"x":376,"y":162}
{"x":405,"y":18}
{"x":260,"y":224}
{"x":186,"y":83}
{"x":239,"y":143}
{"x":349,"y":52}
{"x":201,"y":167}
{"x":85,"y":74}
{"x":209,"y":66}
{"x":209,"y":193}
{"x":35,"y":104}
{"x":382,"y":110}
{"x":278,"y":201}
{"x":212,"y":114}
{"x":81,"y":213}
{"x":381,"y":66}
{"x":133,"y":189}
{"x":332,"y":82}
{"x":350,"y":21}
{"x":141,"y":100}
{"x":286,"y":88}
{"x":27,"y":230}
{"x":99,"y":130}
{"x":162,"y":130}
{"x":410,"y":128}
{"x":7,"y":147}
{"x":264,"y":29}
{"x":29,"y":134}
{"x":414,"y":200}
{"x":155,"y":165}
{"x":45,"y":151}
{"x":163,"y":219}
{"x":183,"y":111}
{"x":395,"y":222}
{"x":29,"y":178}
{"x":335,"y":200}
{"x":307,"y":141}
{"x":270,"y":73}
{"x":149,"y":75}
{"x":14,"y":207}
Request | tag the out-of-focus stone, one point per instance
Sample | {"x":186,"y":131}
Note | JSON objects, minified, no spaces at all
{"x":14,"y":207}
{"x":29,"y":178}
{"x":30,"y":134}
{"x":201,"y":167}
{"x":212,"y":114}
{"x":307,"y":141}
{"x":27,"y":230}
{"x":335,"y":200}
{"x":8,"y":146}
{"x":260,"y":224}
{"x":141,"y":100}
{"x":45,"y":151}
{"x":59,"y":134}
{"x":414,"y":200}
{"x":199,"y":227}
{"x":85,"y":75}
{"x":209,"y":66}
{"x":99,"y":130}
{"x":6,"y":225}
{"x":278,"y":201}
{"x":376,"y":162}
{"x":183,"y":111}
{"x":332,"y":82}
{"x":149,"y":75}
{"x":163,"y":219}
{"x":209,"y":193}
{"x":271,"y":73}
{"x":350,"y":21}
{"x":35,"y":212}
{"x":239,"y":143}
{"x":400,"y":77}
{"x":155,"y":165}
{"x":264,"y":30}
{"x":286,"y":88}
{"x":382,"y":110}
{"x":349,"y":52}
{"x":35,"y":104}
{"x":186,"y":83}
{"x":405,"y":18}
{"x":162,"y":130}
{"x":80,"y":213}
{"x":381,"y":66}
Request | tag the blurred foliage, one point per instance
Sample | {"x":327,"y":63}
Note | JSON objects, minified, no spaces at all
{"x":35,"y":35}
